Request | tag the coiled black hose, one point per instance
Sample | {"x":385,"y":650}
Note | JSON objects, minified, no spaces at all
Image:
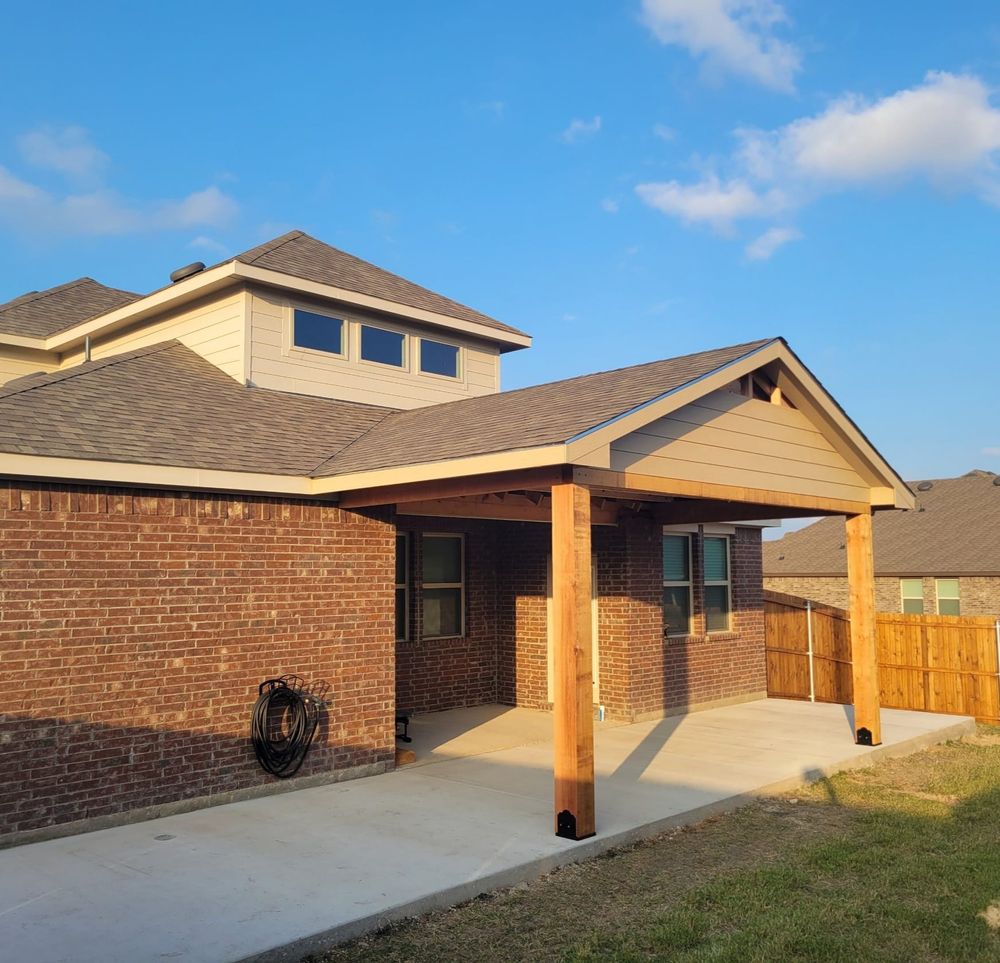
{"x":282,"y":726}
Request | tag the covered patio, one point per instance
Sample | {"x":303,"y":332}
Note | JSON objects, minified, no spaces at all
{"x":335,"y":861}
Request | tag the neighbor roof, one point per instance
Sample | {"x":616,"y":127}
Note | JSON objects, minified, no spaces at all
{"x":166,"y":405}
{"x":954,"y":530}
{"x":302,"y":256}
{"x":39,"y":314}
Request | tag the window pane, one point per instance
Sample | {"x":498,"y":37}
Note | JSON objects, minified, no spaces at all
{"x":913,"y":606}
{"x":437,"y":358}
{"x":911,"y":588}
{"x":383,"y":346}
{"x":677,"y":609}
{"x":442,"y":612}
{"x":400,"y":559}
{"x":947,"y":588}
{"x":442,"y":559}
{"x":401,"y":619}
{"x":675,"y":558}
{"x":949,"y":607}
{"x":716,"y":608}
{"x":716,"y":562}
{"x":318,"y":331}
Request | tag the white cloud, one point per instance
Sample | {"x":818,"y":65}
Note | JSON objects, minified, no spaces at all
{"x":207,"y":207}
{"x":209,"y":245}
{"x":67,"y":150}
{"x":610,"y":206}
{"x":710,"y":201}
{"x":663,"y":132}
{"x":993,"y":451}
{"x":943,"y":130}
{"x":731,"y":36}
{"x":761,"y":248}
{"x":581,"y":130}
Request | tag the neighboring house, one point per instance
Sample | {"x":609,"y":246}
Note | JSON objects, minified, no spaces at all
{"x":941,"y":558}
{"x":296,"y":462}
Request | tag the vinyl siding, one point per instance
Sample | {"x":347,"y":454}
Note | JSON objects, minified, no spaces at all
{"x":17,"y":362}
{"x":276,"y":364}
{"x":727,"y":438}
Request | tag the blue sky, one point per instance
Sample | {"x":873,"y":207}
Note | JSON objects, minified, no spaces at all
{"x":624,"y":180}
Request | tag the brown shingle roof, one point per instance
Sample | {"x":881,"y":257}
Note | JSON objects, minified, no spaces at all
{"x":166,"y":405}
{"x":39,"y":314}
{"x":302,"y":256}
{"x":545,"y":414}
{"x":955,"y":530}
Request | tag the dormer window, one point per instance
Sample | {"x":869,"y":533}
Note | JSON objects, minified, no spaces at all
{"x":318,"y":332}
{"x":438,"y":358}
{"x":382,"y":346}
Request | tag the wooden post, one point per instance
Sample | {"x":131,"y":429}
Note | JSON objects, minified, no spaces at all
{"x":572,"y":643}
{"x":864,"y":651}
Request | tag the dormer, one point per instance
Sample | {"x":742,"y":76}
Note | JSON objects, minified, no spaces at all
{"x":293,"y":314}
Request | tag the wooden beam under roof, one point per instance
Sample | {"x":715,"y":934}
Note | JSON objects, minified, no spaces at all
{"x":512,"y":508}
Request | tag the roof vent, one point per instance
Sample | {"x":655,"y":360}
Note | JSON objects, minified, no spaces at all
{"x":925,"y":486}
{"x":189,"y":270}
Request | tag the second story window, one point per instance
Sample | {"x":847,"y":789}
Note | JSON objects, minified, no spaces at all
{"x":438,"y":358}
{"x":320,"y":332}
{"x":382,"y":346}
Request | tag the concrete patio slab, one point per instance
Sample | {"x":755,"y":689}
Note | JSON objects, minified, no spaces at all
{"x":277,"y":877}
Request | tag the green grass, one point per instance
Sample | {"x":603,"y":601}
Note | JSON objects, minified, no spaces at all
{"x":900,"y":862}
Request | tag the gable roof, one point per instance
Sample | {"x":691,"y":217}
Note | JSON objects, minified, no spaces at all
{"x":166,"y":405}
{"x":300,"y":255}
{"x":39,"y":314}
{"x":547,"y":414}
{"x":955,"y":530}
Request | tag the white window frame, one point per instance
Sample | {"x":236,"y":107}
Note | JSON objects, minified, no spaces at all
{"x":459,"y":360}
{"x":391,"y":329}
{"x":728,"y":583}
{"x":671,"y":583}
{"x":345,"y":333}
{"x":955,"y":598}
{"x":405,"y":586}
{"x":903,"y":597}
{"x":444,"y":585}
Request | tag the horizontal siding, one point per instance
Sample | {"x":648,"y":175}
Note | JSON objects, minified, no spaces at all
{"x":273,"y":365}
{"x":725,"y":438}
{"x":214,"y":328}
{"x":17,"y":362}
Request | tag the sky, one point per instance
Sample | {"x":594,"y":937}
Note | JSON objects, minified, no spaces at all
{"x":625,"y":180}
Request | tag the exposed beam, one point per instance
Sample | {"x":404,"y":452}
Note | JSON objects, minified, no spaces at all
{"x":504,"y":481}
{"x":864,"y":648}
{"x":572,"y":644}
{"x":706,"y":510}
{"x":513,"y":508}
{"x":621,"y":482}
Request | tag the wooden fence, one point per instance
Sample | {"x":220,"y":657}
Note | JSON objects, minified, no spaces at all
{"x":937,"y":663}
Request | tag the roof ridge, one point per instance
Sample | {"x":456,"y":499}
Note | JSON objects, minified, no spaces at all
{"x":267,"y":247}
{"x":31,"y":296}
{"x":315,"y":471}
{"x":58,"y":377}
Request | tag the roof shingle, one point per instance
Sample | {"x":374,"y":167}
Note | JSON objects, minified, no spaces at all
{"x":40,"y":314}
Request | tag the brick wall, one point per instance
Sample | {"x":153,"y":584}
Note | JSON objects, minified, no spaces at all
{"x":979,"y":595}
{"x":136,"y":627}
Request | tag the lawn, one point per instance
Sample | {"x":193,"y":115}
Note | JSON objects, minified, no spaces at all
{"x":897,"y":862}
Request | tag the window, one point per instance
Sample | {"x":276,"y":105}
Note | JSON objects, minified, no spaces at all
{"x":317,"y":331}
{"x":385,"y":347}
{"x":443,"y":586}
{"x":948,"y":602}
{"x":717,"y":601}
{"x":437,"y":358}
{"x":911,"y":592}
{"x":677,"y":584}
{"x":402,"y":589}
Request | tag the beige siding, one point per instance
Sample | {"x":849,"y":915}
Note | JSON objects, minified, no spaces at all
{"x":276,"y":364}
{"x":726,"y":438}
{"x":214,"y":328}
{"x":17,"y":362}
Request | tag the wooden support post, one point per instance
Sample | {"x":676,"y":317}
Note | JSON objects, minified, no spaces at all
{"x":573,"y":709}
{"x":864,"y":651}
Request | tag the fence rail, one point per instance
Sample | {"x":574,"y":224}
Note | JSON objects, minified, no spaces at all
{"x":936,"y":663}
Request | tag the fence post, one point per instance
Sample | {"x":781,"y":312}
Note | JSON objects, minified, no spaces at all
{"x":809,"y":634}
{"x":996,"y":627}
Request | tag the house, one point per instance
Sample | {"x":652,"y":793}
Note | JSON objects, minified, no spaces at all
{"x":296,"y":462}
{"x":941,"y":559}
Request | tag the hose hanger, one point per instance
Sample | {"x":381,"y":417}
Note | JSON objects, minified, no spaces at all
{"x":283,"y":724}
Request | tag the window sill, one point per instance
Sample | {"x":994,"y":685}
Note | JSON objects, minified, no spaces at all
{"x":727,"y":636}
